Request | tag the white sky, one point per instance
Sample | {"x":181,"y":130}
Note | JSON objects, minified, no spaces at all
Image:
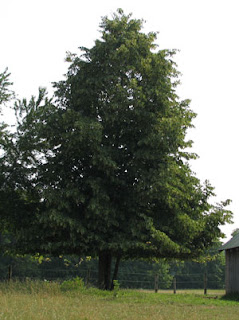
{"x":35,"y":36}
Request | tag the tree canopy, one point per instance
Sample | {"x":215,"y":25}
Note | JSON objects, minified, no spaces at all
{"x":105,"y":162}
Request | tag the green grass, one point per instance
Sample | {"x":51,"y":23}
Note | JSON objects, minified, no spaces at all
{"x":44,"y":300}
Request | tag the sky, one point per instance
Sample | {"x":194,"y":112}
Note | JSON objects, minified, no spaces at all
{"x":35,"y":36}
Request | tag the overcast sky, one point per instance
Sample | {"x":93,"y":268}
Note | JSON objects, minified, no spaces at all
{"x":35,"y":36}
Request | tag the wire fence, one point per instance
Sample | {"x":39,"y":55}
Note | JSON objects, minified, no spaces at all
{"x":142,"y":280}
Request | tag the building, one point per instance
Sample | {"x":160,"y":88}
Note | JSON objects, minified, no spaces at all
{"x":231,"y":249}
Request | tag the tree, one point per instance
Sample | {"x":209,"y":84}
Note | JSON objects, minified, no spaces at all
{"x":235,"y":232}
{"x":108,"y":161}
{"x":5,"y":93}
{"x":18,"y":198}
{"x":5,"y":96}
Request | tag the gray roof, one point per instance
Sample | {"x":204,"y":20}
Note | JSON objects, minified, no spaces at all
{"x":233,"y":243}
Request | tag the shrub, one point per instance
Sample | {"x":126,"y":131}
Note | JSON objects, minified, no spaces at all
{"x":73,"y":284}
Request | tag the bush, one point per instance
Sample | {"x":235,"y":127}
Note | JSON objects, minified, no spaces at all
{"x":73,"y":284}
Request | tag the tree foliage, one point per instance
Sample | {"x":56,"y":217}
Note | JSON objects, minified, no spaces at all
{"x":6,"y":93}
{"x":5,"y":96}
{"x":18,"y":200}
{"x":105,"y":164}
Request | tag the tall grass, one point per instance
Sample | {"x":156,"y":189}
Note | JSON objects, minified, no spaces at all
{"x":29,"y":287}
{"x":48,"y":300}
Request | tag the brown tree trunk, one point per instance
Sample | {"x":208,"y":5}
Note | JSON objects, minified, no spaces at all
{"x":104,"y":274}
{"x":115,"y":271}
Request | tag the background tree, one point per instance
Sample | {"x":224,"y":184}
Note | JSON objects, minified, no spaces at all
{"x":18,"y":198}
{"x":5,"y":96}
{"x":106,"y":162}
{"x":235,"y":232}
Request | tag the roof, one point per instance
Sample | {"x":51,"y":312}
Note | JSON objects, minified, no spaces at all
{"x":233,"y":243}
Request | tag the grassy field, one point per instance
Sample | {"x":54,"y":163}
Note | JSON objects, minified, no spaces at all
{"x":43,"y":300}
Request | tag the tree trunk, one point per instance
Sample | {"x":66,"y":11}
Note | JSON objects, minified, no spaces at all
{"x":115,"y":272}
{"x":104,"y":274}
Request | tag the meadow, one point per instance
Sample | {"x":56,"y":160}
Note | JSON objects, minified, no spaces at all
{"x":50,"y":300}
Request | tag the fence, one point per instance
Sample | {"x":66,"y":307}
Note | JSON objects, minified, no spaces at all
{"x":142,"y":280}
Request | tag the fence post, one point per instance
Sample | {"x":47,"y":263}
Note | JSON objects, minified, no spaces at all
{"x":9,"y":273}
{"x":156,"y":283}
{"x":87,"y":278}
{"x":174,"y":285}
{"x":205,"y":283}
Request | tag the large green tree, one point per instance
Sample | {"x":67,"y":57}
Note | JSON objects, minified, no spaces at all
{"x":108,"y":157}
{"x":18,"y":197}
{"x":6,"y":95}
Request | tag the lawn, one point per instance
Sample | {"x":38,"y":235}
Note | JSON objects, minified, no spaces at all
{"x":40,"y":300}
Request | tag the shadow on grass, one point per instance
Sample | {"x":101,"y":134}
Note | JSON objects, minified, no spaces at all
{"x":231,"y":297}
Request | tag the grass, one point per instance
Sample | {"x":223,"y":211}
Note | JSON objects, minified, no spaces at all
{"x":47,"y":301}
